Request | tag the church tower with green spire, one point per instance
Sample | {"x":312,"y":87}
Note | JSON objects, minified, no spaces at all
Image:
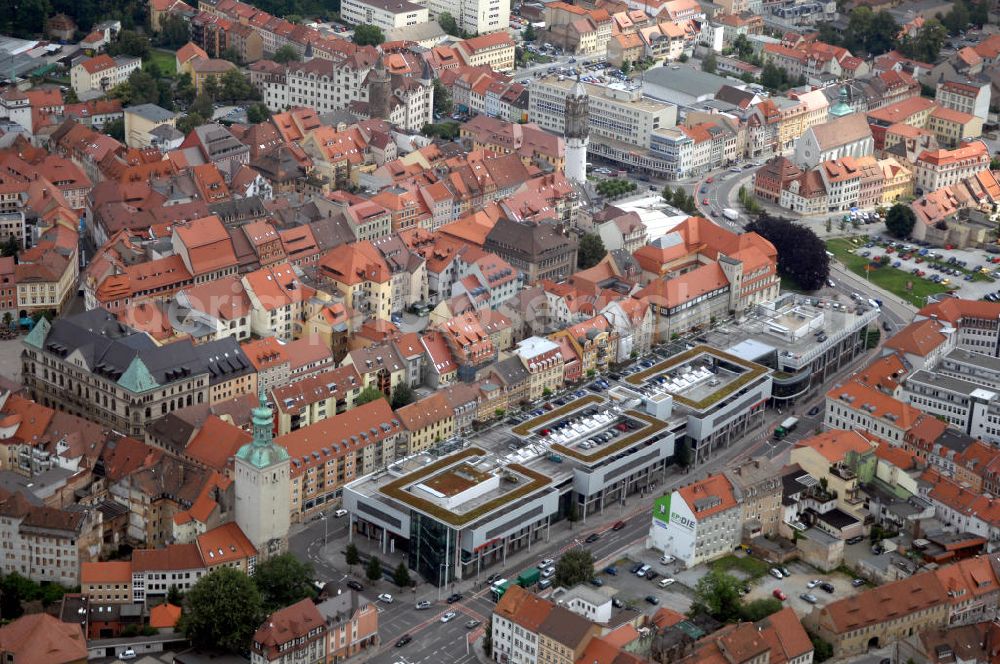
{"x":842,"y":107}
{"x":263,"y":487}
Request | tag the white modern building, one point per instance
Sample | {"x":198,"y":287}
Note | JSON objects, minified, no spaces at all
{"x":385,"y":14}
{"x":475,"y":17}
{"x":699,"y":522}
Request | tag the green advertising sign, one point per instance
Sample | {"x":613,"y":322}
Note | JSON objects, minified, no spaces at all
{"x":661,"y":508}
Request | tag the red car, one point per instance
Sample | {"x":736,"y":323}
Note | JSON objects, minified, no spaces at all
{"x":709,"y":180}
{"x":779,"y":594}
{"x":704,"y":201}
{"x":618,"y":525}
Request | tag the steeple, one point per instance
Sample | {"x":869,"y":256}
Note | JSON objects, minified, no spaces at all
{"x":842,"y":107}
{"x":379,"y":90}
{"x":577,"y":110}
{"x":262,"y":452}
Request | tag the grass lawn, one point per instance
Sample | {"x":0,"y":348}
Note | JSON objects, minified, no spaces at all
{"x":893,"y":280}
{"x":165,"y":60}
{"x":752,"y":568}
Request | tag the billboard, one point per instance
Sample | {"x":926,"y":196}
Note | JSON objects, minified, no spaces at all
{"x":661,"y":508}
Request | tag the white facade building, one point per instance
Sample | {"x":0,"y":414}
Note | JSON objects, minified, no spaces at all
{"x":385,"y":14}
{"x":697,"y":523}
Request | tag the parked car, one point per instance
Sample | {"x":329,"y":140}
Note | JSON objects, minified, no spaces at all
{"x":666,"y":582}
{"x":597,"y":581}
{"x":612,"y":570}
{"x":855,"y":539}
{"x":385,"y":597}
{"x":472,"y":624}
{"x":548,"y":562}
{"x":857,"y":583}
{"x":355,"y":585}
{"x":827,"y":587}
{"x":653,"y":599}
{"x":813,"y":411}
{"x":128,"y":653}
{"x":807,"y":597}
{"x":779,"y":594}
{"x":403,"y":640}
{"x":812,"y":584}
{"x":667,"y":559}
{"x":776,"y":573}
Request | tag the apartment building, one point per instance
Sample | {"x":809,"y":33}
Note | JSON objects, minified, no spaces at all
{"x":953,"y":128}
{"x":98,"y":75}
{"x":882,"y":615}
{"x":428,"y":421}
{"x":544,"y":362}
{"x":699,"y":522}
{"x":935,"y":169}
{"x":972,"y":97}
{"x":385,"y":14}
{"x":335,"y":451}
{"x":278,"y":299}
{"x":976,"y":323}
{"x":474,"y":17}
{"x":854,"y":405}
{"x":757,"y":487}
{"x":495,"y":50}
{"x":615,"y":114}
{"x":315,"y":398}
{"x":360,"y":273}
{"x":44,"y":544}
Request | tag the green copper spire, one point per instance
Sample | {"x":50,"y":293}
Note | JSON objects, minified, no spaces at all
{"x":38,"y":333}
{"x":262,"y":452}
{"x":137,"y":377}
{"x":842,"y":107}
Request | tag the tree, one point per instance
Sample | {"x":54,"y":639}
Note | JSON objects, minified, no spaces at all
{"x":759,"y":609}
{"x":546,"y":393}
{"x":801,"y":254}
{"x":116,"y":129}
{"x":829,"y":224}
{"x":403,"y":395}
{"x":184,"y":90}
{"x":822,"y":650}
{"x":900,"y":221}
{"x":591,"y":251}
{"x":667,"y":194}
{"x":718,"y":595}
{"x":175,"y":596}
{"x":26,"y":18}
{"x":236,"y":86}
{"x":401,"y":577}
{"x":351,"y":555}
{"x":442,"y":98}
{"x":189,"y":122}
{"x":626,"y":67}
{"x":710,"y":63}
{"x":141,"y":89}
{"x":283,"y":580}
{"x":174,"y":31}
{"x":369,"y":394}
{"x":573,"y":513}
{"x":529,"y":33}
{"x":742,"y":47}
{"x":448,"y":24}
{"x":232,"y":54}
{"x":222,"y":611}
{"x":773,"y":77}
{"x":574,"y":567}
{"x":488,"y":639}
{"x":979,"y":13}
{"x":202,"y":105}
{"x":70,"y":97}
{"x":957,"y":19}
{"x":258,"y":113}
{"x":132,"y":43}
{"x":448,"y":131}
{"x":374,"y":569}
{"x":286,"y":53}
{"x":368,"y":35}
{"x":927,"y":44}
{"x":212,"y":88}
{"x":165,"y":94}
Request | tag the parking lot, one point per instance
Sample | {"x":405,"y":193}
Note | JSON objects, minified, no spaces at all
{"x":632,"y":590}
{"x":797,"y":584}
{"x":952,"y":268}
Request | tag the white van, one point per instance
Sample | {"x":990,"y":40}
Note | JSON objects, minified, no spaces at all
{"x":666,"y":582}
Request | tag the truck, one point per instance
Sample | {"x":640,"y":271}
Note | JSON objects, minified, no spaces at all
{"x":785,"y":428}
{"x":730,"y":214}
{"x":529,"y":577}
{"x":498,"y":591}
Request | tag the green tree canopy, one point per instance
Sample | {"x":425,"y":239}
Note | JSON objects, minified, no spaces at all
{"x":801,"y":254}
{"x":590,"y":252}
{"x":401,"y":576}
{"x":529,"y":33}
{"x":202,"y":105}
{"x":900,"y":221}
{"x":448,"y":24}
{"x":368,"y":35}
{"x":927,"y":44}
{"x":575,"y":566}
{"x":212,"y":87}
{"x":374,"y":569}
{"x":403,"y":395}
{"x":283,"y":580}
{"x":174,"y":31}
{"x":710,"y":63}
{"x":190,"y":122}
{"x":759,"y":609}
{"x":222,"y":611}
{"x":286,"y":53}
{"x":184,"y":90}
{"x":370,"y":393}
{"x":130,"y":42}
{"x":442,"y":98}
{"x":116,"y":129}
{"x":718,"y":595}
{"x":258,"y":113}
{"x":236,"y":86}
{"x":351,"y":555}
